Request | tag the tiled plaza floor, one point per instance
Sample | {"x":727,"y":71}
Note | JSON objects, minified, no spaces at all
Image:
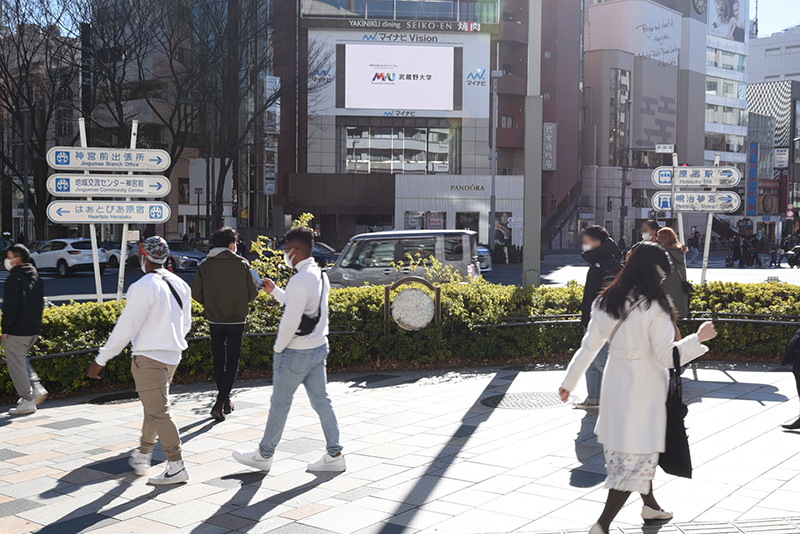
{"x":423,"y":455}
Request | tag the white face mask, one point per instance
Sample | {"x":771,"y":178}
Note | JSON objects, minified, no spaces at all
{"x":646,"y":236}
{"x":144,"y":265}
{"x":7,"y":264}
{"x":288,"y":260}
{"x":586,"y":248}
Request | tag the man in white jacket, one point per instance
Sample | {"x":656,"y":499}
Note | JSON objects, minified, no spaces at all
{"x":301,"y":351}
{"x":156,"y":320}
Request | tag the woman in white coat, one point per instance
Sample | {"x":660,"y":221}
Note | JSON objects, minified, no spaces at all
{"x":633,"y":416}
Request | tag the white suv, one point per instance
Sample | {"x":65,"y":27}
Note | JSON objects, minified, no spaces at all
{"x":66,"y":256}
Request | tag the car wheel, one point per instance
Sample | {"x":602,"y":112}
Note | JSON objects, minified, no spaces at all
{"x":63,"y":269}
{"x":113,"y":262}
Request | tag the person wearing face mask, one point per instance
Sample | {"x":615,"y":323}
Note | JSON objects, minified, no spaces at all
{"x":225,"y":286}
{"x":301,"y":351}
{"x":156,"y":319}
{"x":602,"y":255}
{"x":635,"y":318}
{"x":23,"y":303}
{"x":650,"y":230}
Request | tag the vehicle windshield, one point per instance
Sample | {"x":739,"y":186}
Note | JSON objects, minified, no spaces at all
{"x":349,"y":254}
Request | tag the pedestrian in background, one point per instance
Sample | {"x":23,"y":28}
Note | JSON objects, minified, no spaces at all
{"x":225,"y":286}
{"x":156,"y":319}
{"x":602,"y":255}
{"x":674,"y":285}
{"x":783,"y":251}
{"x":791,"y":357}
{"x":649,"y":233}
{"x":736,"y":252}
{"x":635,"y":317}
{"x":694,"y":246}
{"x":23,"y":303}
{"x":301,"y":351}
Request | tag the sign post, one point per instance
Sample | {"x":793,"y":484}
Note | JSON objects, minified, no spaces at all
{"x":123,"y":239}
{"x":709,"y":223}
{"x":98,"y":283}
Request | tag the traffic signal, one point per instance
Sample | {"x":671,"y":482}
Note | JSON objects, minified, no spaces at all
{"x":609,"y":205}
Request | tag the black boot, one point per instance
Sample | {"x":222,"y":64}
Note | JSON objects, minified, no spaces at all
{"x":216,"y":411}
{"x":227,"y":407}
{"x":793,"y":426}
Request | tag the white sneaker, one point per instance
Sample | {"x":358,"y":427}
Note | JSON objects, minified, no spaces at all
{"x":329,"y":463}
{"x":651,"y":514}
{"x":175,"y":473}
{"x":23,"y":408}
{"x":140,"y":462}
{"x":252,"y":458}
{"x":39,"y":394}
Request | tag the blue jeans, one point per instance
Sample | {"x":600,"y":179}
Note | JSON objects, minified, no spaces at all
{"x":290,"y":369}
{"x":594,"y":376}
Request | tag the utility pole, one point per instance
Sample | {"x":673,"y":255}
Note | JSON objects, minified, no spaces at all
{"x":534,"y":104}
{"x":496,"y":75}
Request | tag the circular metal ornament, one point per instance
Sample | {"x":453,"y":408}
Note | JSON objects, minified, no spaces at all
{"x":700,"y":6}
{"x":413,"y":309}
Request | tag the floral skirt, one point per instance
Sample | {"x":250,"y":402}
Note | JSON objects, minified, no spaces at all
{"x":630,"y":472}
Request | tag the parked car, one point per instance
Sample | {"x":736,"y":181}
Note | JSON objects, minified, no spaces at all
{"x":114,"y":255}
{"x":321,"y":253}
{"x":33,"y":245}
{"x":484,"y":258}
{"x":182,"y":256}
{"x":66,"y":256}
{"x":369,"y":258}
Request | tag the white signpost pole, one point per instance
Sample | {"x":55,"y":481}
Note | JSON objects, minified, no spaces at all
{"x":123,"y":242}
{"x":707,"y":244}
{"x":95,"y":255}
{"x":679,"y":215}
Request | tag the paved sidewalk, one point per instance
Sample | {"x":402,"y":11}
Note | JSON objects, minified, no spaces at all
{"x":423,"y":454}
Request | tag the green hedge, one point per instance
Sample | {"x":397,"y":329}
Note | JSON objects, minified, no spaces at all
{"x":453,"y":341}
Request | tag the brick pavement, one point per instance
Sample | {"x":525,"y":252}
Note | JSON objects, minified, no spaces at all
{"x":424,"y":456}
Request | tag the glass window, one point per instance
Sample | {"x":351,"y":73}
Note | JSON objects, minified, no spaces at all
{"x":378,"y":254}
{"x":60,"y":245}
{"x":424,"y":247}
{"x":618,"y":109}
{"x":453,"y":248}
{"x":350,"y":253}
{"x":725,"y":142}
{"x":399,"y":150}
{"x":467,"y":220}
{"x":726,"y":60}
{"x":414,"y":220}
{"x":82,"y":245}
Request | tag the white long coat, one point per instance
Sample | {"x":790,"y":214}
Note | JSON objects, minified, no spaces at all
{"x":633,"y":414}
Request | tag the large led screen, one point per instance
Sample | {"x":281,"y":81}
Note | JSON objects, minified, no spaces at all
{"x":399,"y":77}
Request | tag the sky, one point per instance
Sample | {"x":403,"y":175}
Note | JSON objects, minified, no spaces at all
{"x":775,"y":15}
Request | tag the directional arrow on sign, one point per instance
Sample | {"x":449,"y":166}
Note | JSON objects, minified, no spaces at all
{"x":61,"y":212}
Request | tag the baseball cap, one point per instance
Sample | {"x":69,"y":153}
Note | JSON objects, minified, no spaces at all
{"x":156,"y":249}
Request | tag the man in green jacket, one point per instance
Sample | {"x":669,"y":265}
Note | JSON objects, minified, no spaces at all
{"x":23,"y":303}
{"x":225,"y":286}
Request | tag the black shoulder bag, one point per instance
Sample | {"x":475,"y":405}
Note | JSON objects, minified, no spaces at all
{"x":172,"y":289}
{"x":308,"y":324}
{"x":676,"y":458}
{"x":688,"y":287}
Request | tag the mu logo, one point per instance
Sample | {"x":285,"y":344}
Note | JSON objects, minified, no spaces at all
{"x":384,"y":77}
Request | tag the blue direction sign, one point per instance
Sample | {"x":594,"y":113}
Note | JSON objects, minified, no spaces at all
{"x":697,"y":201}
{"x":697,"y":176}
{"x":68,"y":158}
{"x":93,"y":211}
{"x":107,"y":185}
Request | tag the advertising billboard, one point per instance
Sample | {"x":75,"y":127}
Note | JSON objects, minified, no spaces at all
{"x":407,"y":77}
{"x":728,"y":19}
{"x":443,"y":74}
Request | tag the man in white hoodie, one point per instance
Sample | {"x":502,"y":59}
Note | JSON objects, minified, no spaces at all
{"x":301,"y":351}
{"x":156,"y":320}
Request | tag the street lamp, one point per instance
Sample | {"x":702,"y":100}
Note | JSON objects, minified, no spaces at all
{"x":496,"y":75}
{"x":198,"y":191}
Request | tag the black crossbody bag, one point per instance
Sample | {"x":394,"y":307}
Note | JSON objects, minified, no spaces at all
{"x":172,"y":289}
{"x":308,"y":324}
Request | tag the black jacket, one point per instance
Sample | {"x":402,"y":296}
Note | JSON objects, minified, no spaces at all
{"x":604,"y":265}
{"x":23,"y":302}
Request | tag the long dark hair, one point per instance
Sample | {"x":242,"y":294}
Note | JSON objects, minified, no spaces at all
{"x":639,"y":278}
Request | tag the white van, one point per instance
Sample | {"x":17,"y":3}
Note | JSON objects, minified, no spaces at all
{"x":369,"y":258}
